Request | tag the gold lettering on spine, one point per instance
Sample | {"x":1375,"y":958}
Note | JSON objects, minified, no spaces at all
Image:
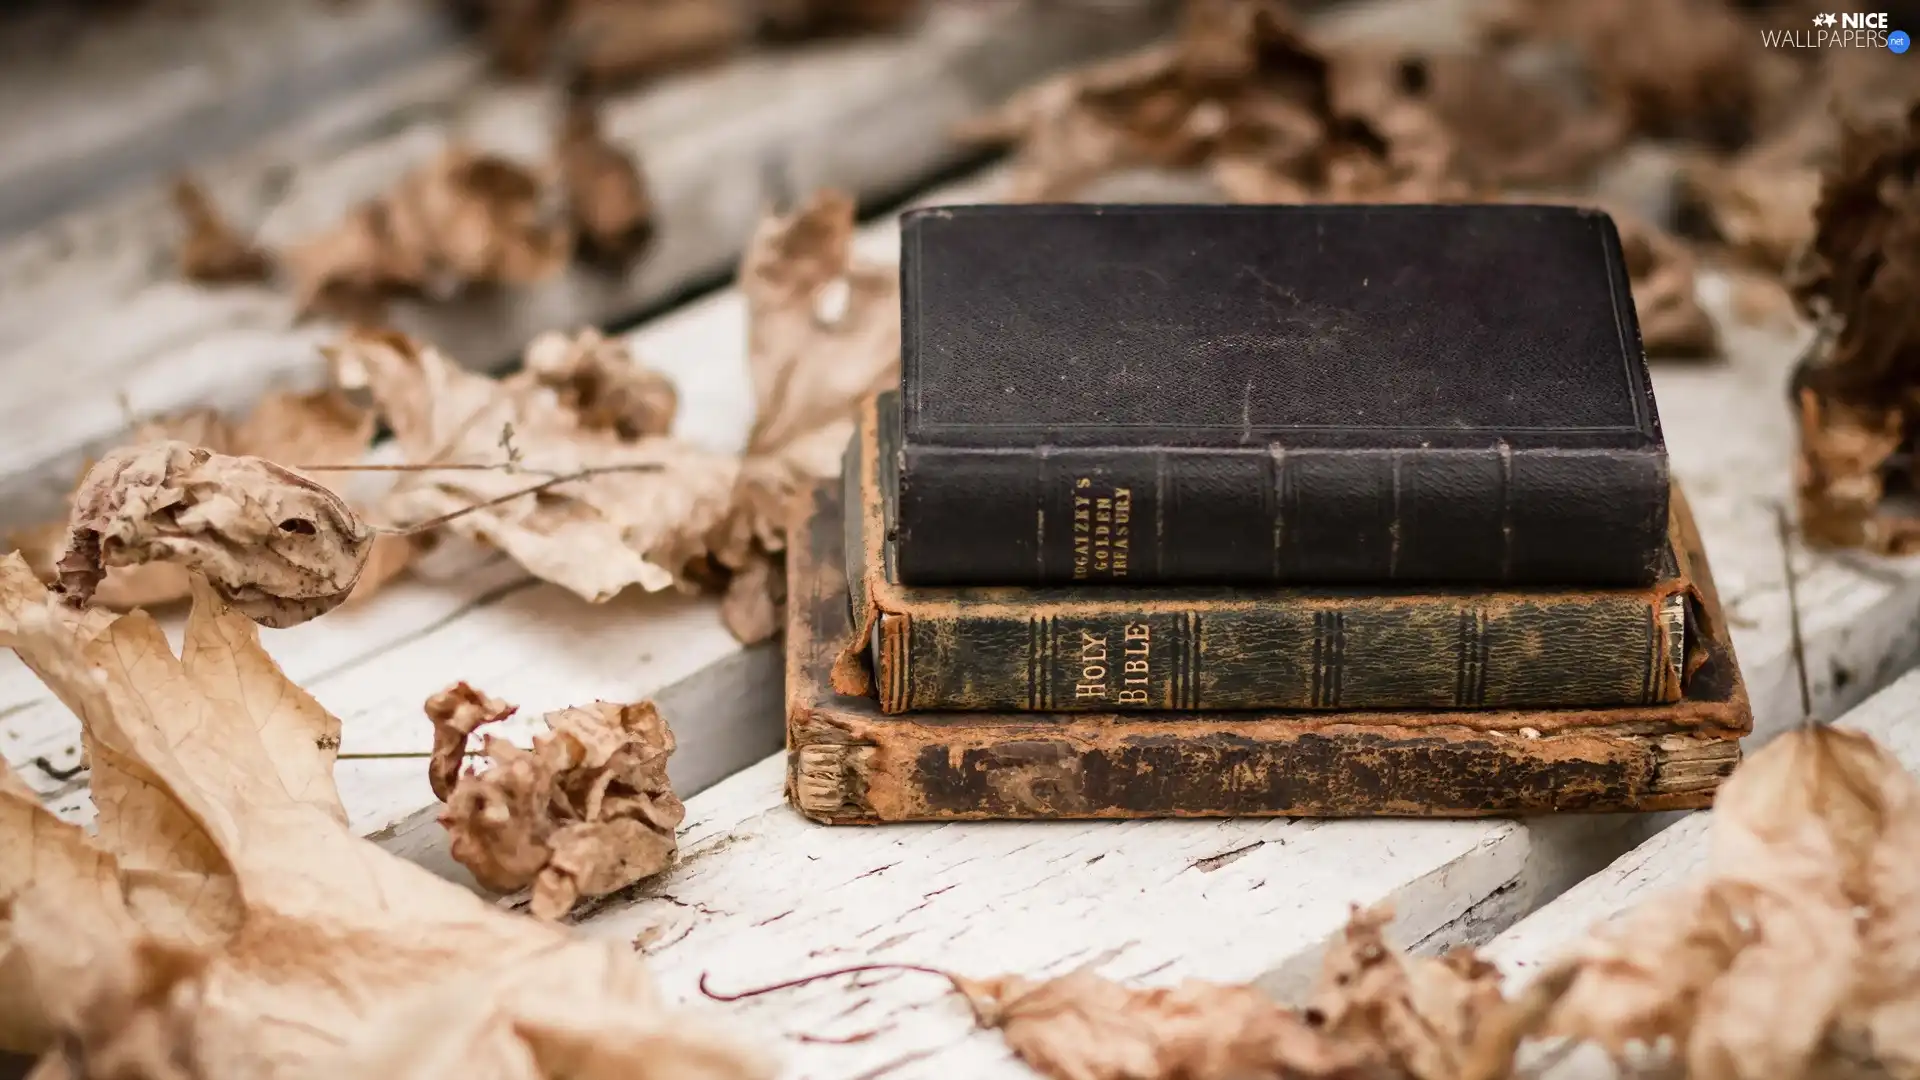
{"x":1136,"y":647}
{"x":1093,"y":667}
{"x":1102,"y":531}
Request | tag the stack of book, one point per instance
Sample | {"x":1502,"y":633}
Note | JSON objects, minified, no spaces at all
{"x":1219,"y":511}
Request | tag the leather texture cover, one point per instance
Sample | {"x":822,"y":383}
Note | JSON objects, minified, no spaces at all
{"x":850,"y":763}
{"x":1235,"y":394}
{"x":1098,"y":648}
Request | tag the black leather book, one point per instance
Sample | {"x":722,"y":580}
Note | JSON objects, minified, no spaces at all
{"x":1239,"y":394}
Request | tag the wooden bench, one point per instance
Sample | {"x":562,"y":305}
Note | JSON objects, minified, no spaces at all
{"x":760,"y":894}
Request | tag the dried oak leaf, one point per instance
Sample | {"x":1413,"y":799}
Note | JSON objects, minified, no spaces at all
{"x":277,"y":546}
{"x":213,"y":253}
{"x":464,"y":219}
{"x":606,"y":192}
{"x":635,"y":512}
{"x":1795,"y":956}
{"x":289,"y":429}
{"x":226,"y":921}
{"x":586,"y":811}
{"x":600,"y":380}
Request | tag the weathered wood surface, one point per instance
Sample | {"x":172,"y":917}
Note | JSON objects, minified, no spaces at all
{"x":1668,"y":861}
{"x":158,"y":86}
{"x":94,"y":320}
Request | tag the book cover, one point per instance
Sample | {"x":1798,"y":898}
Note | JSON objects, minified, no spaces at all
{"x":1294,"y":394}
{"x":850,"y":763}
{"x":1099,"y":648}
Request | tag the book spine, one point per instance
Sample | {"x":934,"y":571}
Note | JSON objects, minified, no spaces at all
{"x":920,"y":772}
{"x":1360,"y":652}
{"x":1499,"y":516}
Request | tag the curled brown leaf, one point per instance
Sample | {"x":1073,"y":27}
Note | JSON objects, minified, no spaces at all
{"x":455,"y":714}
{"x":213,"y":252}
{"x":586,"y":811}
{"x":288,"y":429}
{"x":278,"y":546}
{"x":605,"y":189}
{"x":463,"y":219}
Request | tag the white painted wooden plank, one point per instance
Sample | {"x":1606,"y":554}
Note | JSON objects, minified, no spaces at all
{"x":153,"y":88}
{"x":1667,"y":861}
{"x":93,"y":320}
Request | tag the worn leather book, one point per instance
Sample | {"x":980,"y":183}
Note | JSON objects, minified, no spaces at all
{"x":1101,"y":648}
{"x":1237,"y":394}
{"x":850,"y":763}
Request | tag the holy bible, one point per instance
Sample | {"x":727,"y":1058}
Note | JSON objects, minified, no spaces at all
{"x":850,"y":763}
{"x":1102,"y":648}
{"x":1134,"y":395}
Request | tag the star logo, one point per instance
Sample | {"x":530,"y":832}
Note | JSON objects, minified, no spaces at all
{"x":1826,"y":19}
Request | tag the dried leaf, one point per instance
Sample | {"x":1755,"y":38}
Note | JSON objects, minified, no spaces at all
{"x":823,"y":334}
{"x":794,"y":19}
{"x":610,"y":43}
{"x":1794,"y":958}
{"x":463,"y":219}
{"x":340,"y":950}
{"x":279,"y":547}
{"x":1664,"y":276}
{"x":288,"y":429}
{"x":1859,"y":396}
{"x":588,"y":810}
{"x":213,"y":253}
{"x":635,"y":512}
{"x":455,"y":713}
{"x":1244,"y":93}
{"x":756,"y":597}
{"x":600,"y":381}
{"x":606,"y":192}
{"x":1376,"y":1013}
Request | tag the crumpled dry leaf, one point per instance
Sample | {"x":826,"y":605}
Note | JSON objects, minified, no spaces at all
{"x":635,"y":512}
{"x":600,"y":380}
{"x":455,"y":713}
{"x":213,"y":253}
{"x":321,"y":954}
{"x":606,"y":192}
{"x":1796,"y":956}
{"x":276,"y":545}
{"x":586,"y":811}
{"x":289,"y":429}
{"x":465,"y":218}
{"x":1244,"y":94}
{"x":1664,"y":276}
{"x":823,"y":334}
{"x":1861,"y":276}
